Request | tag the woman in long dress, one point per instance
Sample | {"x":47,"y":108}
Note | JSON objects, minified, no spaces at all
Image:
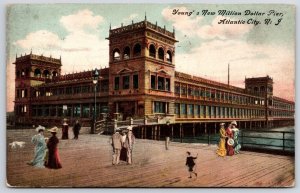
{"x":221,"y":151}
{"x":53,"y":156}
{"x":237,"y":145}
{"x":40,"y":148}
{"x":229,"y":147}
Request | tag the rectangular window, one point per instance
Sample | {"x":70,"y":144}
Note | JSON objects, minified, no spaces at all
{"x":177,"y":112}
{"x":60,"y":111}
{"x":46,"y":110}
{"x":53,"y":111}
{"x":117,"y":83}
{"x":161,"y":83}
{"x":61,"y":91}
{"x":177,"y":89}
{"x":202,"y":111}
{"x":153,"y":82}
{"x":190,"y":92}
{"x":22,"y":93}
{"x":191,"y":110}
{"x":183,"y":90}
{"x":85,"y":110}
{"x":85,"y":89}
{"x":135,"y":81}
{"x":77,"y":89}
{"x":212,"y":113}
{"x":159,"y":107}
{"x":196,"y":92}
{"x":69,"y":90}
{"x":183,"y":109}
{"x":167,"y":84}
{"x":76,"y":111}
{"x":125,"y":82}
{"x":196,"y":110}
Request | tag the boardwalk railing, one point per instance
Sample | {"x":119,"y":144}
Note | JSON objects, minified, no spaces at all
{"x":273,"y":140}
{"x":277,"y":141}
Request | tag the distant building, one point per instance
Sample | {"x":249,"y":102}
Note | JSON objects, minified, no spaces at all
{"x":140,"y":82}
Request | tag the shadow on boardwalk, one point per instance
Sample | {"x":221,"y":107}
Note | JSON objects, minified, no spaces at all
{"x":87,"y":163}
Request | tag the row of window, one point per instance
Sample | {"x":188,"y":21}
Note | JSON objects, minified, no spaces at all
{"x":137,"y":49}
{"x":206,"y":111}
{"x":124,"y":81}
{"x":214,"y":94}
{"x":76,"y":110}
{"x":72,"y":90}
{"x":280,"y":114}
{"x":37,"y":73}
{"x":283,"y":106}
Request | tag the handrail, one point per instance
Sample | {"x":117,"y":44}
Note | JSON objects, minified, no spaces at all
{"x":267,"y":145}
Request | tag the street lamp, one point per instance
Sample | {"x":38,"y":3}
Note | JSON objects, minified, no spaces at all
{"x":95,"y":82}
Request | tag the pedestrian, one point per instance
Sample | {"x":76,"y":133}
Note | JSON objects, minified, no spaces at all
{"x":53,"y":161}
{"x":236,"y":132}
{"x":40,"y":148}
{"x":190,"y":163}
{"x":123,"y":155}
{"x":116,"y":142}
{"x":229,"y":140}
{"x":76,"y":129}
{"x":221,"y":151}
{"x":65,"y":130}
{"x":130,"y":140}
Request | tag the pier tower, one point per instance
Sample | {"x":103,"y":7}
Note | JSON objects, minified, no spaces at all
{"x":31,"y":71}
{"x":141,"y":70}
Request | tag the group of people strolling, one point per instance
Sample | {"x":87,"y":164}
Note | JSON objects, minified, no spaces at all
{"x":46,"y":151}
{"x":229,"y":140}
{"x":122,"y":145}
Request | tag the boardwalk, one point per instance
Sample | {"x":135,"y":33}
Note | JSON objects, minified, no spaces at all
{"x":87,"y":163}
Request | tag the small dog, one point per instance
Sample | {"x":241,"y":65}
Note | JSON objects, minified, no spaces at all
{"x":16,"y":144}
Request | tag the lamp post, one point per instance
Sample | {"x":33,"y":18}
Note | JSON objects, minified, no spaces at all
{"x":95,"y":82}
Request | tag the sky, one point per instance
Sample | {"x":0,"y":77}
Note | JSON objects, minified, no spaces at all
{"x":77,"y":33}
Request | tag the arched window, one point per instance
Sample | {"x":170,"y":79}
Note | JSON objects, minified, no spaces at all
{"x":18,"y":74}
{"x":169,"y":56}
{"x":137,"y":50}
{"x":161,"y":54}
{"x":37,"y":73}
{"x":262,"y":89}
{"x":255,"y":89}
{"x":23,"y":72}
{"x":54,"y":73}
{"x":152,"y":51}
{"x":116,"y":54}
{"x":46,"y":74}
{"x":126,"y":54}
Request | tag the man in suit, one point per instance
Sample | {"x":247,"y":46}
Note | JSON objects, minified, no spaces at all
{"x":117,"y":145}
{"x":130,"y":139}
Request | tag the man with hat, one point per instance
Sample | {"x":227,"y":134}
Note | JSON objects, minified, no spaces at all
{"x":116,"y":142}
{"x":130,"y":139}
{"x":40,"y":148}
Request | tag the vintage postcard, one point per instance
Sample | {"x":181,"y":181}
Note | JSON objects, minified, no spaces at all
{"x":150,"y":95}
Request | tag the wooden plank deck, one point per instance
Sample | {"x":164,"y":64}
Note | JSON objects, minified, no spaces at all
{"x":87,"y":163}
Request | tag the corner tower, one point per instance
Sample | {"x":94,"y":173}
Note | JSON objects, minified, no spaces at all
{"x":31,"y":70}
{"x":141,"y":66}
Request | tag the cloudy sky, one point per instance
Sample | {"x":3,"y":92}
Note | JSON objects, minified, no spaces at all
{"x":77,"y":33}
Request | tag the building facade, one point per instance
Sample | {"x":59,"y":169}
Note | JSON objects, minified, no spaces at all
{"x":141,"y":82}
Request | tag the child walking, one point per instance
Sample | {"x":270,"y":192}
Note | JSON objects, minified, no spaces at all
{"x":190,"y":163}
